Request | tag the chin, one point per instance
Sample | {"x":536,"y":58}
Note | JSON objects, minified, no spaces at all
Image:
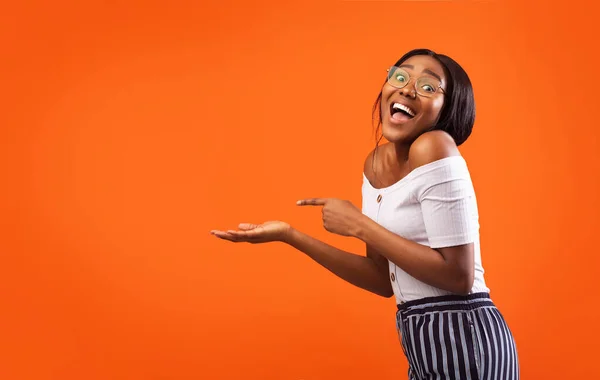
{"x":394,"y":134}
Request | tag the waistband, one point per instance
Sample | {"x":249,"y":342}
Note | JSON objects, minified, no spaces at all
{"x":445,"y":303}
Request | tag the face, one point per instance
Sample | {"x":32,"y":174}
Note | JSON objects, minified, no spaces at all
{"x":406,"y":113}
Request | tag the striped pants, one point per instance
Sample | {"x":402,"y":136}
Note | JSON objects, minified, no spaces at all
{"x":456,"y":338}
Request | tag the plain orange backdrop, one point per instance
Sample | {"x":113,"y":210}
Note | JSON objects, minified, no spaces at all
{"x":131,"y":129}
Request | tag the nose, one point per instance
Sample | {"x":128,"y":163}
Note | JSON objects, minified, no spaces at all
{"x":408,"y":90}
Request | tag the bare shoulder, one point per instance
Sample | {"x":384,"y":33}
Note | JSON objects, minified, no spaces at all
{"x":368,"y":167}
{"x":431,"y":146}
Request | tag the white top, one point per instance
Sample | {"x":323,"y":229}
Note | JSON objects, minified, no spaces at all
{"x":434,"y":205}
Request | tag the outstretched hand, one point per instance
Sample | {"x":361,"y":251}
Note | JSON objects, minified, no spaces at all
{"x":256,"y":233}
{"x":339,"y":216}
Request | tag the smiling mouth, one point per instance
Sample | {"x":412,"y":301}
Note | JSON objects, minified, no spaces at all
{"x":401,"y":110}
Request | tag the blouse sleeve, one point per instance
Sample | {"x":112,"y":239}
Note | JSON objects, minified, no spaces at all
{"x":448,"y":203}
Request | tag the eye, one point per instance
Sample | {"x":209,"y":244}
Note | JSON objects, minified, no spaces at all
{"x":427,"y":85}
{"x":400,"y":78}
{"x":428,"y":88}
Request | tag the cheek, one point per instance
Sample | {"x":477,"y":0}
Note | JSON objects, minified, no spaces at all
{"x":387,"y":91}
{"x":435,"y":107}
{"x":438,"y":103}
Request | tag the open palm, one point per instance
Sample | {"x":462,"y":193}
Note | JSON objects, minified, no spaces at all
{"x":255,"y":233}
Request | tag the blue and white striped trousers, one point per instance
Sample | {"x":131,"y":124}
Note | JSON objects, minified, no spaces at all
{"x":457,"y":338}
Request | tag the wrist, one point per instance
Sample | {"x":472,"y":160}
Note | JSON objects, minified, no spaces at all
{"x":362,"y":228}
{"x":288,"y":235}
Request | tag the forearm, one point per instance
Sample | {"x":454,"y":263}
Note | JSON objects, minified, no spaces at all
{"x":358,"y":270}
{"x":421,"y":262}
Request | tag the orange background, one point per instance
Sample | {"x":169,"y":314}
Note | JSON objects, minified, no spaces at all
{"x":129,"y":131}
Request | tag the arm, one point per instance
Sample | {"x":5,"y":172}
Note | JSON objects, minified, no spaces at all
{"x":448,"y":268}
{"x":368,"y":273}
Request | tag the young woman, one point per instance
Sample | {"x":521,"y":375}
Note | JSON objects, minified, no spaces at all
{"x":419,"y":221}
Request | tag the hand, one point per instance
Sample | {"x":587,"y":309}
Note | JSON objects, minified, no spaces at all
{"x":339,"y":216}
{"x":256,"y":233}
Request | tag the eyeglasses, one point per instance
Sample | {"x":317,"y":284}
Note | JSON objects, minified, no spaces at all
{"x":425,"y":85}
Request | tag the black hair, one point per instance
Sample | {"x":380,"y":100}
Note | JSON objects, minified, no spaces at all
{"x":457,"y":115}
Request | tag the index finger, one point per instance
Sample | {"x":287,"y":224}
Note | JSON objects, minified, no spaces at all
{"x":312,"y":202}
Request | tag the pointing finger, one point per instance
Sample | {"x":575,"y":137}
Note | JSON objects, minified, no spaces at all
{"x":312,"y":202}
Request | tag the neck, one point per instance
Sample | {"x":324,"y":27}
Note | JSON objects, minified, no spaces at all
{"x":401,"y":151}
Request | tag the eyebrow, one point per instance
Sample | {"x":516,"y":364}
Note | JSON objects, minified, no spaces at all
{"x":425,"y":71}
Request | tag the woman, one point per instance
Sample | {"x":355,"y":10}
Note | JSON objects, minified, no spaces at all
{"x":419,"y":221}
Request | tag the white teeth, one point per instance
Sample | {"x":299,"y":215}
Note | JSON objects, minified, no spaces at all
{"x":404,"y":108}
